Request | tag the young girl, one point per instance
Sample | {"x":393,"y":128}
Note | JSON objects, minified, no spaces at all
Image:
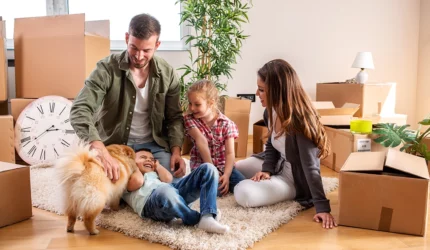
{"x":212,"y":134}
{"x":291,"y":167}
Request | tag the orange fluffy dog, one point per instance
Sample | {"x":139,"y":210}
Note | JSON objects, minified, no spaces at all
{"x":87,"y":188}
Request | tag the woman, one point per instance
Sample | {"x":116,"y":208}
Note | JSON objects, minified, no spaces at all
{"x":297,"y":139}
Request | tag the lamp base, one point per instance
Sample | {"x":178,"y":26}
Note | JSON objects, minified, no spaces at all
{"x":362,"y":76}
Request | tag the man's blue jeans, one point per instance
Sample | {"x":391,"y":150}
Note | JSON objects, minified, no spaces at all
{"x":171,"y":201}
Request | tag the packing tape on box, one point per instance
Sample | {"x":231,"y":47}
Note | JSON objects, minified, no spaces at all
{"x":385,"y":219}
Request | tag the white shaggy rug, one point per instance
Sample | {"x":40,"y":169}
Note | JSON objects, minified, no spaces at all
{"x":247,"y":225}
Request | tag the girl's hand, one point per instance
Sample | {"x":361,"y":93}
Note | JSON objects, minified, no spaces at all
{"x":326,"y":219}
{"x":261,"y":176}
{"x":224,"y":183}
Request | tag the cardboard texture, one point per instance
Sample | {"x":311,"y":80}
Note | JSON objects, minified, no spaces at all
{"x":259,"y":136}
{"x":238,"y":111}
{"x":17,"y":106}
{"x":373,"y":98}
{"x":335,"y":115}
{"x":396,"y":194}
{"x":343,"y":143}
{"x":67,"y":51}
{"x":3,"y":62}
{"x":7,"y":139}
{"x":4,"y":108}
{"x":15,"y":193}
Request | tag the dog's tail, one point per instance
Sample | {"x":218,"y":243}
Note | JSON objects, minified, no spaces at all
{"x":80,"y":193}
{"x":71,"y":166}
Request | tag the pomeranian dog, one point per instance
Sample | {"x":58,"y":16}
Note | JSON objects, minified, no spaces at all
{"x":87,"y":188}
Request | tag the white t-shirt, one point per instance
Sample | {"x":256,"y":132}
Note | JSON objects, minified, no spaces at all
{"x":140,"y":130}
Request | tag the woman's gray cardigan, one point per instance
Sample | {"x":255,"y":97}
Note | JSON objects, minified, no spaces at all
{"x":302,"y":153}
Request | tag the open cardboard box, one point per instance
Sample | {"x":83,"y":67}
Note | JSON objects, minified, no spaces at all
{"x":385,"y":192}
{"x":331,"y":115}
{"x":259,"y":136}
{"x":55,"y":54}
{"x":15,"y":193}
{"x":373,"y":98}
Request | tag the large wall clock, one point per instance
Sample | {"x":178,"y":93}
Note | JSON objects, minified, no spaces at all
{"x":43,"y":131}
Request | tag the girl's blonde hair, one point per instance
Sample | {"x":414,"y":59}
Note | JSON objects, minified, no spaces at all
{"x":208,"y":90}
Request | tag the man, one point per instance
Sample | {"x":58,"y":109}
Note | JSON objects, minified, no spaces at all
{"x":152,"y":196}
{"x":133,"y":98}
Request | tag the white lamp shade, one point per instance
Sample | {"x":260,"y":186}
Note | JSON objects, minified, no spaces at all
{"x":363,"y":60}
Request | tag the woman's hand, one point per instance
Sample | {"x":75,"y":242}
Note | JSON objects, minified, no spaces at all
{"x":261,"y":176}
{"x":326,"y":219}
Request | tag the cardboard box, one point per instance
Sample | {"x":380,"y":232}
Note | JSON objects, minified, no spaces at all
{"x":7,"y":139}
{"x":335,"y":115}
{"x":15,"y":193}
{"x":343,"y":143}
{"x":384,"y":193}
{"x":3,"y":62}
{"x":259,"y":136}
{"x":238,"y":110}
{"x":373,"y":98}
{"x":55,"y":54}
{"x":186,"y":146}
{"x":4,"y":108}
{"x":17,"y":106}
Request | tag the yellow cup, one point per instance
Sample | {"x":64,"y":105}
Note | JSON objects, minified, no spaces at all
{"x":360,"y":126}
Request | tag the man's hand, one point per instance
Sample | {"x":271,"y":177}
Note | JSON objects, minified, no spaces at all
{"x":110,"y":164}
{"x":326,"y":219}
{"x":177,"y":164}
{"x":261,"y":176}
{"x":224,"y":184}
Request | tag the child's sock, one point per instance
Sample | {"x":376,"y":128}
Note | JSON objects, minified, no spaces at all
{"x":209,"y":224}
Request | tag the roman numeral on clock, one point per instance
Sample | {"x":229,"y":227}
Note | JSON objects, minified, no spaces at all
{"x":70,"y":131}
{"x":27,"y":129}
{"x":66,"y":121}
{"x":42,"y":154}
{"x":25,"y":139}
{"x":65,"y":143}
{"x":32,"y":150}
{"x":40,"y":108}
{"x":56,"y":152}
{"x":30,"y":118}
{"x":51,"y":107}
{"x":62,"y":110}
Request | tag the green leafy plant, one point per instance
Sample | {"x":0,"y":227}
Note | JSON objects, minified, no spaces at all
{"x":391,"y":135}
{"x":215,"y":42}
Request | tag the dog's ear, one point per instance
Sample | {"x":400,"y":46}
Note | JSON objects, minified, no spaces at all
{"x":128,"y":151}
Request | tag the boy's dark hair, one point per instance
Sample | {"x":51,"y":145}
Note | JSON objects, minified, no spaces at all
{"x":143,"y":149}
{"x":144,"y":26}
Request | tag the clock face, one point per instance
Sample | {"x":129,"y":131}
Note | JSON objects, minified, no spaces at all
{"x":43,"y":131}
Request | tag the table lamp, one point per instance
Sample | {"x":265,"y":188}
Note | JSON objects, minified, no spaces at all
{"x":363,"y":60}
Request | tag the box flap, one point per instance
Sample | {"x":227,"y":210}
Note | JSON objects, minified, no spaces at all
{"x":327,"y":108}
{"x":364,"y":161}
{"x":99,"y":28}
{"x":2,"y":29}
{"x":48,"y":26}
{"x":407,"y":163}
{"x":4,"y":166}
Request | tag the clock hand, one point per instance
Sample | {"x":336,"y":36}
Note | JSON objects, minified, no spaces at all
{"x":37,"y":137}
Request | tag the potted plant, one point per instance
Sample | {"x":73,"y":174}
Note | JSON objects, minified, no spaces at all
{"x":392,"y":135}
{"x":215,"y":40}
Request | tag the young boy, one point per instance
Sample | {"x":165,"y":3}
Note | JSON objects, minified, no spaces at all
{"x":151,"y":190}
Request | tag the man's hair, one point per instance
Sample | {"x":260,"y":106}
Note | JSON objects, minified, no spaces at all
{"x":144,"y":26}
{"x":143,"y":149}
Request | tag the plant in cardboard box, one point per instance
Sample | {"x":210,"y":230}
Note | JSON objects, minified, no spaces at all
{"x":216,"y":40}
{"x":392,"y":135}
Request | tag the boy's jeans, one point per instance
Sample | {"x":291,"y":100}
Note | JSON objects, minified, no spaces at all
{"x":171,"y":201}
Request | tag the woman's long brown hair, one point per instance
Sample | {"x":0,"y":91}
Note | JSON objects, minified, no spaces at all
{"x":286,"y":96}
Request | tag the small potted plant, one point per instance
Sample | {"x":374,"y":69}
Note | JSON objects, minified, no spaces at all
{"x":392,"y":135}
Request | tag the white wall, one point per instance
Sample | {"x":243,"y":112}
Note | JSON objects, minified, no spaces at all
{"x":423,"y":87}
{"x":321,"y":38}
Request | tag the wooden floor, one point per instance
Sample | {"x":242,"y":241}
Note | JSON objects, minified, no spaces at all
{"x":47,"y":231}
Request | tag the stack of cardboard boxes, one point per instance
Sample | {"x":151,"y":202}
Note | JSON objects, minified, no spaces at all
{"x":53,"y":56}
{"x":370,"y":101}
